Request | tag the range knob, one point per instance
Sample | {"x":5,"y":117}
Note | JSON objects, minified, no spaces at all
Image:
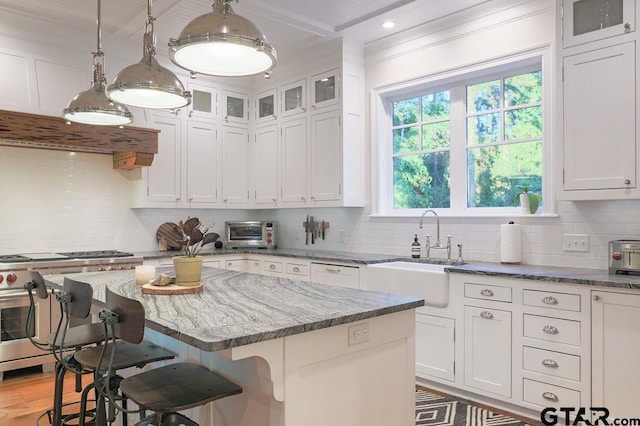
{"x":1,"y":278}
{"x":616,"y":255}
{"x":11,"y":278}
{"x":102,"y":269}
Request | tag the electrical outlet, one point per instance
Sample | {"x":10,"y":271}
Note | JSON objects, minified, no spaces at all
{"x":575,"y":242}
{"x":358,"y":334}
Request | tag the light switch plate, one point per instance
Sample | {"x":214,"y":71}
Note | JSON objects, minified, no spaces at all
{"x":575,"y":242}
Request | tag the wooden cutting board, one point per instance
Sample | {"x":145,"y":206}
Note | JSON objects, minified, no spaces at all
{"x":171,"y":289}
{"x":169,"y":237}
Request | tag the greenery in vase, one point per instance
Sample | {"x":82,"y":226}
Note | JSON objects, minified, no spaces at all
{"x":534,"y":199}
{"x":195,"y":235}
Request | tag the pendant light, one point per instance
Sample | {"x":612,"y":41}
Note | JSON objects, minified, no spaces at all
{"x":148,"y":84}
{"x":222,"y":43}
{"x":93,"y":106}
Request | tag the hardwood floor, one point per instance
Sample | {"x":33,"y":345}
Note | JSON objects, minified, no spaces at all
{"x":26,"y":394}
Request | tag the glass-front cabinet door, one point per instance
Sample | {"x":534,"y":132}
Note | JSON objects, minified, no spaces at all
{"x":235,"y":107}
{"x":203,"y":101}
{"x":266,"y":104}
{"x":293,"y":98}
{"x":324,"y":89}
{"x":589,"y":20}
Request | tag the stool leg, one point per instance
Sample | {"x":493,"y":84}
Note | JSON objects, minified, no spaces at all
{"x":57,"y":398}
{"x":83,"y":403}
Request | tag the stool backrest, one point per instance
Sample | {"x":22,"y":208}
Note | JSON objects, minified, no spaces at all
{"x":130,"y":325}
{"x":38,"y":284}
{"x":81,"y":294}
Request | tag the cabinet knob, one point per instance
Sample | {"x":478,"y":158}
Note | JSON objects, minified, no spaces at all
{"x":190,"y":113}
{"x":595,"y":297}
{"x":550,"y":363}
{"x":549,"y":329}
{"x":486,"y":315}
{"x":313,"y":107}
{"x":627,"y":181}
{"x":275,"y":117}
{"x":303,"y":199}
{"x":190,"y":199}
{"x":627,"y":27}
{"x":272,"y":267}
{"x":486,"y":292}
{"x":225,"y":200}
{"x":549,"y":300}
{"x":313,"y":198}
{"x":296,"y":269}
{"x":550,"y":396}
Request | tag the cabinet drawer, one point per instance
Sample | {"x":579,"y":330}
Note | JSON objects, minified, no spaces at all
{"x":339,"y":275}
{"x":548,"y":299}
{"x":552,"y":363}
{"x":487,"y":292}
{"x":552,"y":329}
{"x":297,"y":269}
{"x":546,"y":395}
{"x":272,"y":267}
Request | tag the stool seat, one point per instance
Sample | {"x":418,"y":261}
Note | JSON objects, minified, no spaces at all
{"x":177,"y":387}
{"x":82,"y":335}
{"x":127,"y":355}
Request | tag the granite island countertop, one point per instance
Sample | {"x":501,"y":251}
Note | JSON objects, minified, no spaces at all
{"x":237,"y":308}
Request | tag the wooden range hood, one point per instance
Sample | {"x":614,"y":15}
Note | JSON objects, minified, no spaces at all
{"x":131,"y":147}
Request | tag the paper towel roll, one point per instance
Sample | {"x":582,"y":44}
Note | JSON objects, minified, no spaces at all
{"x":510,"y":243}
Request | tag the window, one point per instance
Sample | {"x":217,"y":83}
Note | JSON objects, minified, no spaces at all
{"x":467,"y":144}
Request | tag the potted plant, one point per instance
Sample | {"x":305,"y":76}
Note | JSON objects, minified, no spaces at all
{"x":194,"y":237}
{"x":529,"y":201}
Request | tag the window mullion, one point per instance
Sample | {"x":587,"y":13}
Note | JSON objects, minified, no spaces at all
{"x":458,"y":166}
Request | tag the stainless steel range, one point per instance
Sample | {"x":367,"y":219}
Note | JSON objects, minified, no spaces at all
{"x":16,"y":351}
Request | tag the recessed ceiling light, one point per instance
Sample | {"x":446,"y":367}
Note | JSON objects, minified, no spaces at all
{"x":388,"y":24}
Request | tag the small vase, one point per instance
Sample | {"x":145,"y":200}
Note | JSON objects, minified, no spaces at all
{"x":188,"y":270}
{"x":524,"y":202}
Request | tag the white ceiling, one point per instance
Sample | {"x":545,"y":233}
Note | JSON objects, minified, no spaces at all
{"x":290,"y":25}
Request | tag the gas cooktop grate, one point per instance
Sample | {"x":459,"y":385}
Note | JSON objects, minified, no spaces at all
{"x":95,"y":254}
{"x":13,"y":258}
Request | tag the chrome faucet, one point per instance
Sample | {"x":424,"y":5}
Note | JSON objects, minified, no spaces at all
{"x":437,"y":245}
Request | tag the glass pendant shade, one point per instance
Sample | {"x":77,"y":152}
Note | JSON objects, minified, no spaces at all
{"x":148,"y":84}
{"x":222,"y":43}
{"x":93,"y":106}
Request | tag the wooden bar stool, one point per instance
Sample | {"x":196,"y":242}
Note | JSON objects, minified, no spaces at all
{"x":62,"y":341}
{"x":164,"y":390}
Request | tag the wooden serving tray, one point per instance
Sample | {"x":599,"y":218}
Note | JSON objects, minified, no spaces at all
{"x":171,"y":289}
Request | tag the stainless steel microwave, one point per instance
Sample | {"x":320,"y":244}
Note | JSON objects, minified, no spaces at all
{"x":250,"y":234}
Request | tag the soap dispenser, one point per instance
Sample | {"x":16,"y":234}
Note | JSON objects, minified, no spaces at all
{"x":415,"y":248}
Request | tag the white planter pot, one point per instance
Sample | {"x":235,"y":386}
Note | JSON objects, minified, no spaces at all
{"x":524,"y":203}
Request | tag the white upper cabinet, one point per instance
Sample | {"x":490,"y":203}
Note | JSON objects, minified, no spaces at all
{"x":600,"y":119}
{"x":163,"y":177}
{"x":324,"y":90}
{"x":235,"y":166}
{"x":266,"y":107}
{"x":293,"y":162}
{"x":265,"y":166}
{"x":235,"y":107}
{"x":293,"y":98}
{"x":204,"y":103}
{"x":585,"y":21}
{"x":326,"y":157}
{"x":203,"y":157}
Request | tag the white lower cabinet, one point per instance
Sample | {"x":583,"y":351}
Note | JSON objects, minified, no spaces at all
{"x":615,"y":347}
{"x":487,"y":340}
{"x":438,"y":333}
{"x":335,"y":274}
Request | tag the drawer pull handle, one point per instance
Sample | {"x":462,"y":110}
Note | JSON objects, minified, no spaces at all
{"x":550,"y":300}
{"x":550,"y":363}
{"x":272,"y":266}
{"x":296,"y":269}
{"x":486,"y":292}
{"x":486,"y":315}
{"x":332,"y":270}
{"x":550,"y":396}
{"x":549,"y":329}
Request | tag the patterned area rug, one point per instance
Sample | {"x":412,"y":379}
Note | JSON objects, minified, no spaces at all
{"x":435,"y":410}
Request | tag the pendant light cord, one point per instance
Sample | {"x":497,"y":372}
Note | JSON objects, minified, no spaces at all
{"x":149,"y":37}
{"x":98,"y":56}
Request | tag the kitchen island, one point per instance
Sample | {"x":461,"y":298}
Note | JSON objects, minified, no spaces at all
{"x":304,"y":353}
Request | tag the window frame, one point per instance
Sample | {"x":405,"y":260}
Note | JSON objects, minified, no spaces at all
{"x":381,"y":124}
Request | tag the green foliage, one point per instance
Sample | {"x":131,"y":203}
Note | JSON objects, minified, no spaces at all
{"x":495,"y":169}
